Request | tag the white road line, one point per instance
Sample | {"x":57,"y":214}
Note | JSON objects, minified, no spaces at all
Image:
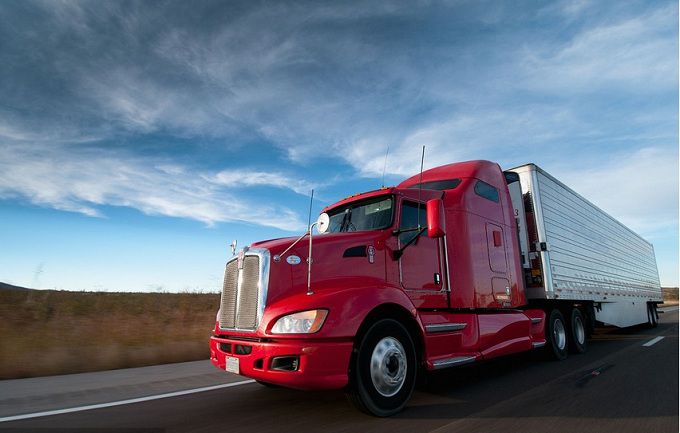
{"x":122,"y":402}
{"x":653,"y":341}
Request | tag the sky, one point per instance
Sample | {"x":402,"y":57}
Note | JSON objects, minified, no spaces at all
{"x":139,"y":138}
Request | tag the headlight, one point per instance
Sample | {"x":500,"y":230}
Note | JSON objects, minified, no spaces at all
{"x":304,"y":322}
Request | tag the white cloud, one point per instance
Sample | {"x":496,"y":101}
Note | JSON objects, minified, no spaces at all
{"x":245,"y":178}
{"x":629,"y":54}
{"x":72,"y":179}
{"x":639,"y":188}
{"x":476,"y":134}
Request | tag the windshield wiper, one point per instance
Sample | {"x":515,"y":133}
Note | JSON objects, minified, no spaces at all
{"x":400,"y":252}
{"x":397,"y":232}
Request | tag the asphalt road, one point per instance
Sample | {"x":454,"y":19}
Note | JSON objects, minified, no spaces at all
{"x":619,"y":386}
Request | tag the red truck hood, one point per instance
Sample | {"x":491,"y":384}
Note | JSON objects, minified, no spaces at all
{"x":338,"y":260}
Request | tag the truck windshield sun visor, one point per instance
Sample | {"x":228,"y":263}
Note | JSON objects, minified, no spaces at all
{"x":373,"y":214}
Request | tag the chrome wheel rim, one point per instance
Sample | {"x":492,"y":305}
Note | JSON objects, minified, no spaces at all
{"x":388,"y":366}
{"x":559,"y":334}
{"x":579,"y":330}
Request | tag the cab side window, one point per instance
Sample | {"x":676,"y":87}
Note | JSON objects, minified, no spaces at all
{"x":487,"y":191}
{"x":409,"y":220}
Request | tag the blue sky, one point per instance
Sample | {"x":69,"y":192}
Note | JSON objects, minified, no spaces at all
{"x":137,"y":139}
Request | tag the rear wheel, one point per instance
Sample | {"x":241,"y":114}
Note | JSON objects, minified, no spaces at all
{"x":556,"y":334}
{"x":382,"y":373}
{"x":578,"y":342}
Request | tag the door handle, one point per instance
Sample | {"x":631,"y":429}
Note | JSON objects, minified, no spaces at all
{"x":437,"y":278}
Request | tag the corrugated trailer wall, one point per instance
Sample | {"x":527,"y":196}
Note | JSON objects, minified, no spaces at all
{"x":590,"y":255}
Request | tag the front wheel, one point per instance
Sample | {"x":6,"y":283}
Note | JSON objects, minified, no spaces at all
{"x":382,"y":373}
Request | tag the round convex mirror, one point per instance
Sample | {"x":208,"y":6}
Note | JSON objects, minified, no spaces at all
{"x":322,"y":223}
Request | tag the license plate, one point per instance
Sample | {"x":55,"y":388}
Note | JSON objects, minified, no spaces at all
{"x":232,"y":365}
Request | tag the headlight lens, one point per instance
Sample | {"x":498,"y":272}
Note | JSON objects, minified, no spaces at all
{"x":304,"y":322}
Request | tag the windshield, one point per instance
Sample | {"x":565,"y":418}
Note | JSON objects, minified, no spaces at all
{"x":372,"y":214}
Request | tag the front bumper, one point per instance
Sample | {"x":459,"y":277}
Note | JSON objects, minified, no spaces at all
{"x":322,"y":364}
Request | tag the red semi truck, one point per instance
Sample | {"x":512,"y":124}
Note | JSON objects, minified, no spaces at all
{"x":459,"y":264}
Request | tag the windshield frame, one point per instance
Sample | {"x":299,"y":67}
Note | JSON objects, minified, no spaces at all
{"x":359,"y":203}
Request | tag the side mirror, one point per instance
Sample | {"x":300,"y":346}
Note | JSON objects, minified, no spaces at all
{"x":436,"y":223}
{"x":322,"y":223}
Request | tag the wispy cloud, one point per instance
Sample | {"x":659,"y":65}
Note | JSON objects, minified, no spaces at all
{"x":244,"y":178}
{"x":639,"y":188}
{"x":630,"y":54}
{"x":73,"y":179}
{"x":322,"y":84}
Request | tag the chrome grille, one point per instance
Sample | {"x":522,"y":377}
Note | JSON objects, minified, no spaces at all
{"x":245,"y":291}
{"x":229,"y":289}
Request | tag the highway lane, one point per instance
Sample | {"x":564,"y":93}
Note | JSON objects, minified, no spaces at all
{"x":620,"y":385}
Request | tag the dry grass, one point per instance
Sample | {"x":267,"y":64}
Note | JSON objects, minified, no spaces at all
{"x":58,"y":332}
{"x":670,"y":296}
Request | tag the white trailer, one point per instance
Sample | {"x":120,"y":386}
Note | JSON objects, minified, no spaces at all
{"x":574,"y":251}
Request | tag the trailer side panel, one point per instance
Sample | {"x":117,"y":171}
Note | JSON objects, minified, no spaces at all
{"x":589,"y":255}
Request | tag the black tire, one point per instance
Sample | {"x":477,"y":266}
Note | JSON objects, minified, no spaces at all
{"x":590,"y":319}
{"x":578,"y":340}
{"x":382,"y":372}
{"x":556,"y":336}
{"x":652,"y":316}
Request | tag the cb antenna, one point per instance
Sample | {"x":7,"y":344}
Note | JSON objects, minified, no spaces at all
{"x":309,"y":218}
{"x":385,"y":165}
{"x":420,"y":184}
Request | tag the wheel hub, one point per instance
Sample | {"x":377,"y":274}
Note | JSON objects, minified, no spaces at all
{"x":559,"y":334}
{"x":579,"y":330}
{"x":388,"y":366}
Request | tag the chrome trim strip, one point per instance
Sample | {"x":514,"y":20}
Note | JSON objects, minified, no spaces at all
{"x":535,"y":320}
{"x":262,"y":286}
{"x":452,"y":362}
{"x":448,"y":267}
{"x":445,"y":327}
{"x":263,"y":283}
{"x":537,"y":345}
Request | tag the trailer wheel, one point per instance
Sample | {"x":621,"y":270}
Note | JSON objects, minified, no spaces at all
{"x":556,"y":334}
{"x":652,"y":316}
{"x":578,"y":342}
{"x":382,"y":373}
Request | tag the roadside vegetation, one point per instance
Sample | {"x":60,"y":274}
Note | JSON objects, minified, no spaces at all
{"x":47,"y":332}
{"x":670,"y":295}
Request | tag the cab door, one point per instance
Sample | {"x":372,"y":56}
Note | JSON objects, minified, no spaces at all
{"x":420,"y":265}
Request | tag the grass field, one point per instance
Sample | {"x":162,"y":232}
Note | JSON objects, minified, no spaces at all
{"x":46,"y":332}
